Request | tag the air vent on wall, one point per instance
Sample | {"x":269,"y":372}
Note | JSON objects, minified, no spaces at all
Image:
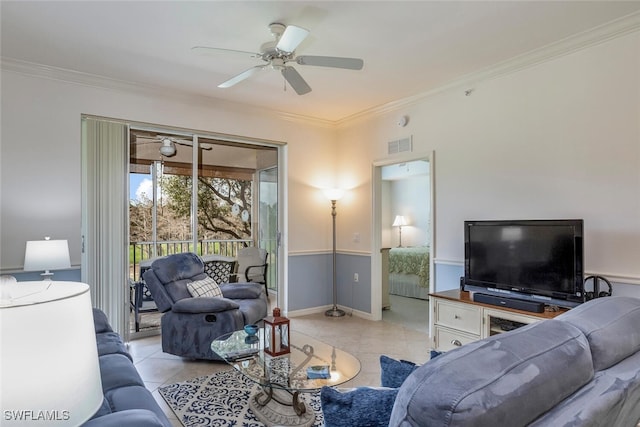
{"x":401,"y":145}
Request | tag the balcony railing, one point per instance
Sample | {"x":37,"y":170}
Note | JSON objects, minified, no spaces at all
{"x":140,"y":251}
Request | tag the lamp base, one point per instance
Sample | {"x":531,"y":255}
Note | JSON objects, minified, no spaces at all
{"x":334,"y":312}
{"x":47,"y":275}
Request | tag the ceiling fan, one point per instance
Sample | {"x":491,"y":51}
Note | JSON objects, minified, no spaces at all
{"x":168,"y":147}
{"x":277,"y":54}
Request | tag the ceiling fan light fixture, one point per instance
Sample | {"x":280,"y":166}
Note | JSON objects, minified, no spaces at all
{"x":167,"y":148}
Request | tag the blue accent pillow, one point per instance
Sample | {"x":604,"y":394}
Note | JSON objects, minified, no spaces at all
{"x":394,"y":372}
{"x":361,"y":406}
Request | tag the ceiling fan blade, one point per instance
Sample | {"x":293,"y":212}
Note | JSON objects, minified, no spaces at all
{"x":331,"y":61}
{"x":215,"y":51}
{"x":240,"y":77}
{"x":295,"y":80}
{"x":190,"y":144}
{"x":291,"y":38}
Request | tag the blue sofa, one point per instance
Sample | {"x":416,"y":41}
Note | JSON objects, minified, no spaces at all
{"x":190,"y":323}
{"x":580,"y":369}
{"x":127,"y":402}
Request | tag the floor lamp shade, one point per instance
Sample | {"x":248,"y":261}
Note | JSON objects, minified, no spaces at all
{"x":49,"y":359}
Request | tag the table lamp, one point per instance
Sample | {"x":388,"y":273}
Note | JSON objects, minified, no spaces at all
{"x":399,"y":222}
{"x":49,"y":359}
{"x":46,"y":255}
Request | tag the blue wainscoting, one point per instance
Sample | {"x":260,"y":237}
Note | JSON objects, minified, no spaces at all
{"x":311,"y":281}
{"x":71,"y":275}
{"x":356,"y":295}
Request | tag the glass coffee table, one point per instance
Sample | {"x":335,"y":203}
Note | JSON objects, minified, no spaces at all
{"x":283,"y":378}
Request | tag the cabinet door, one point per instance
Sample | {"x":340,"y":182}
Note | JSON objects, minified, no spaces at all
{"x":459,"y":316}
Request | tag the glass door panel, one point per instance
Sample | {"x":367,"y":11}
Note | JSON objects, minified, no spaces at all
{"x":268,"y":221}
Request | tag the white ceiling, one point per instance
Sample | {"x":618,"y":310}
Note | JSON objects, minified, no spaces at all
{"x":408,"y":47}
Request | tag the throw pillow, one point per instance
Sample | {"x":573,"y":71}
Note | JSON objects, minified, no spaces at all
{"x":362,"y":406}
{"x":394,"y":372}
{"x":204,"y":288}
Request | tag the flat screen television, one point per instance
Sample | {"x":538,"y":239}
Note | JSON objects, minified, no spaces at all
{"x":540,"y":260}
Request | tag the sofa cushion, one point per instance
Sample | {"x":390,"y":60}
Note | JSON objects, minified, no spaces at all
{"x":485,"y":383}
{"x":605,"y":401}
{"x":116,"y":370}
{"x":111,"y":343}
{"x":206,"y":287}
{"x":362,"y":406}
{"x":604,"y":321}
{"x":100,"y":321}
{"x":133,"y":397}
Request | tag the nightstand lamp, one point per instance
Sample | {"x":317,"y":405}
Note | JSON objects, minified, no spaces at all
{"x":399,"y":222}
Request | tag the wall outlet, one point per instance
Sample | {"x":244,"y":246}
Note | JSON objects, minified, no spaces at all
{"x":356,"y":237}
{"x":356,"y":278}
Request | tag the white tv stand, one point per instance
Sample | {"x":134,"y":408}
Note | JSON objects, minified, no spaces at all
{"x":456,"y":319}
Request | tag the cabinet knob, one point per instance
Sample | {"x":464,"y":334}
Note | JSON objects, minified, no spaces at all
{"x":455,"y":316}
{"x":457,"y":343}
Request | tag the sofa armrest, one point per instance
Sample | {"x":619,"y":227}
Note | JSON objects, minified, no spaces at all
{"x":241,"y":290}
{"x":204,"y":305}
{"x":130,"y":417}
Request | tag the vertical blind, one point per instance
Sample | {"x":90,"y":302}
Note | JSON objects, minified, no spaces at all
{"x":104,"y":217}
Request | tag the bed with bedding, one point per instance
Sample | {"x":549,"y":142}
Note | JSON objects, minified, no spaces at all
{"x":409,"y":272}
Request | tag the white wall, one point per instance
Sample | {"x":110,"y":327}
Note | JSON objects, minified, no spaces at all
{"x":410,"y":197}
{"x":557,"y":140}
{"x":40,"y":156}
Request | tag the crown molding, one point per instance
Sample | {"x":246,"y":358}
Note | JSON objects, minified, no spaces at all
{"x":101,"y":82}
{"x":574,"y":43}
{"x":598,"y":35}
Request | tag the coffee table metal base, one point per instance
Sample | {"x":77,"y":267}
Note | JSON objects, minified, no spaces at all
{"x":280,"y":407}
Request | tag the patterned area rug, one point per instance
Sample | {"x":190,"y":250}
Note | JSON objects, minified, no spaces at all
{"x":221,"y":399}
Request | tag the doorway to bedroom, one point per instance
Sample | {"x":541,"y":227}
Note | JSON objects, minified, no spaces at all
{"x":405,"y":214}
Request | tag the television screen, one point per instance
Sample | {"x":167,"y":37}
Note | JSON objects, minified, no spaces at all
{"x":539,"y":257}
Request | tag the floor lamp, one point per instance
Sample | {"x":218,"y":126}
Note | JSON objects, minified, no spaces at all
{"x":334,"y":195}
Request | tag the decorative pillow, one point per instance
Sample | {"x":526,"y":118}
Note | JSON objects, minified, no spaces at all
{"x":362,"y":406}
{"x":204,"y":288}
{"x":394,"y":372}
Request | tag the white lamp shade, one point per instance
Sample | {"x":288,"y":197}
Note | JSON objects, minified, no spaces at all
{"x":46,"y":255}
{"x":49,"y":359}
{"x":399,"y":221}
{"x":334,"y":193}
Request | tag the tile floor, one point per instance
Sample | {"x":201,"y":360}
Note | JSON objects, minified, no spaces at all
{"x":364,"y":339}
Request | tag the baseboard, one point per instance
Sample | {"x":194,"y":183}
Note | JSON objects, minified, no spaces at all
{"x":315,"y":310}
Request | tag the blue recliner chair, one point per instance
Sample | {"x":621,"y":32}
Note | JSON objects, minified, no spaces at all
{"x":190,"y":324}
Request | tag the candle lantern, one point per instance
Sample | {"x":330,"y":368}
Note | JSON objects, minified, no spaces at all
{"x":276,"y":334}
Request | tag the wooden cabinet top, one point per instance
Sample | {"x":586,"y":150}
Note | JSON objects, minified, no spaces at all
{"x":462,"y":296}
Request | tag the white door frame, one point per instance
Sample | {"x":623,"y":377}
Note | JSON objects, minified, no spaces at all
{"x":376,"y":231}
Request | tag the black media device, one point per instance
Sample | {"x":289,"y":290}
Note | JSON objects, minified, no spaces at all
{"x":518,"y":304}
{"x":531,"y":260}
